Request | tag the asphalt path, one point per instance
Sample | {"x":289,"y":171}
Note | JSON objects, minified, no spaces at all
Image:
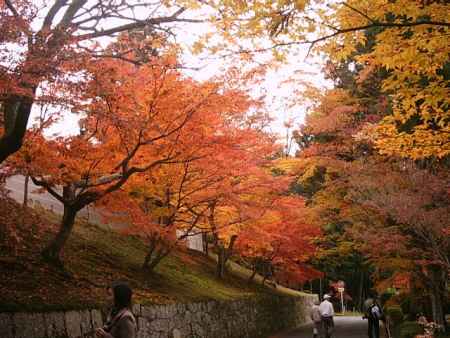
{"x":345,"y":327}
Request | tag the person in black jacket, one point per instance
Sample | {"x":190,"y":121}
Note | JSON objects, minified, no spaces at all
{"x":373,"y":313}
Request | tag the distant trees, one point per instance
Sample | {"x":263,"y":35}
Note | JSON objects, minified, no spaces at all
{"x":374,"y":171}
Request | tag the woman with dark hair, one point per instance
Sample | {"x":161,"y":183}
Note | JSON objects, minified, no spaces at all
{"x":121,"y":322}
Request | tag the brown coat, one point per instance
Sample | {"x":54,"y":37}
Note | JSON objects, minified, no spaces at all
{"x":124,"y":327}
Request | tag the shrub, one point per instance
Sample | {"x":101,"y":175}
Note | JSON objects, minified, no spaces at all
{"x":409,"y":330}
{"x":412,"y":304}
{"x":395,"y":314}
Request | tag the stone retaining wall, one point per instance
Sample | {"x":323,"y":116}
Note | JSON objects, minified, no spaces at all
{"x":251,"y":318}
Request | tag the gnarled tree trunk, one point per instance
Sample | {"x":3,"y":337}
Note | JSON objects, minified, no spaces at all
{"x":16,"y":111}
{"x":52,"y":252}
{"x":158,"y":250}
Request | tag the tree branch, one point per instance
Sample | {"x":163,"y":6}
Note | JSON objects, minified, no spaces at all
{"x":101,"y":181}
{"x":359,"y":12}
{"x":348,"y":30}
{"x":49,"y":188}
{"x":139,"y":24}
{"x":74,"y":7}
{"x":11,"y":8}
{"x":52,"y":13}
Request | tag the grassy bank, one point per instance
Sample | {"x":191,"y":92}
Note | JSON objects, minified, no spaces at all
{"x":95,"y":257}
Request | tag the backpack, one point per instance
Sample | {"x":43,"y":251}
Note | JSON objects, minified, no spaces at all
{"x":375,"y":312}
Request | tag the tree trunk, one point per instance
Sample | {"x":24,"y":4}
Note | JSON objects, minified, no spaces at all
{"x":16,"y":112}
{"x":437,"y":294}
{"x":205,"y":242}
{"x":157,"y":251}
{"x":25,"y":200}
{"x":151,"y":261}
{"x":158,"y":258}
{"x":361,"y":292}
{"x":52,"y":252}
{"x":147,"y":260}
{"x":220,"y":262}
{"x":72,"y":205}
{"x":25,"y":193}
{"x":436,"y":305}
{"x":320,"y":289}
{"x":223,"y":255}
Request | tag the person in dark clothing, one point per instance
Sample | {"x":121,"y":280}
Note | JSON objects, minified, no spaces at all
{"x":373,"y":313}
{"x":120,"y":322}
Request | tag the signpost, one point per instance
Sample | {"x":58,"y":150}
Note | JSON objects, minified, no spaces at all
{"x":341,"y":289}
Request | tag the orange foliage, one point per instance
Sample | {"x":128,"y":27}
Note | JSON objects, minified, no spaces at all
{"x":284,"y":238}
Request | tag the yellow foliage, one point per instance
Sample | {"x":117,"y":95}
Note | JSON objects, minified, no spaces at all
{"x":288,"y":165}
{"x":413,"y":53}
{"x":414,"y":56}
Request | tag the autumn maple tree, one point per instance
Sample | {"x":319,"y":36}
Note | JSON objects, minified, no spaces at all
{"x":240,"y":204}
{"x":406,"y":215}
{"x":280,"y":243}
{"x":365,"y":198}
{"x":47,"y":49}
{"x":136,"y":118}
{"x":159,"y":208}
{"x":47,"y":43}
{"x":171,"y":203}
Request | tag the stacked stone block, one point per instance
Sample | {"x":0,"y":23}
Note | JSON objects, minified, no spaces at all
{"x":249,"y":318}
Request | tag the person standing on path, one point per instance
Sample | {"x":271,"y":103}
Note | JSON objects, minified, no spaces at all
{"x":327,"y":313}
{"x":367,"y":304}
{"x":373,"y":313}
{"x":316,"y":319}
{"x":121,"y":322}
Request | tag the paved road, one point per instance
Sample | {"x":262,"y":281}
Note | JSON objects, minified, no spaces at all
{"x":345,"y":327}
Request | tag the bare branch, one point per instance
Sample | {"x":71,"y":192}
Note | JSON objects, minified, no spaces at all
{"x":101,"y":181}
{"x":12,"y":8}
{"x":344,"y":31}
{"x":71,"y":12}
{"x":49,"y":188}
{"x":52,"y":13}
{"x":139,"y":24}
{"x":323,"y":23}
{"x":16,"y":14}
